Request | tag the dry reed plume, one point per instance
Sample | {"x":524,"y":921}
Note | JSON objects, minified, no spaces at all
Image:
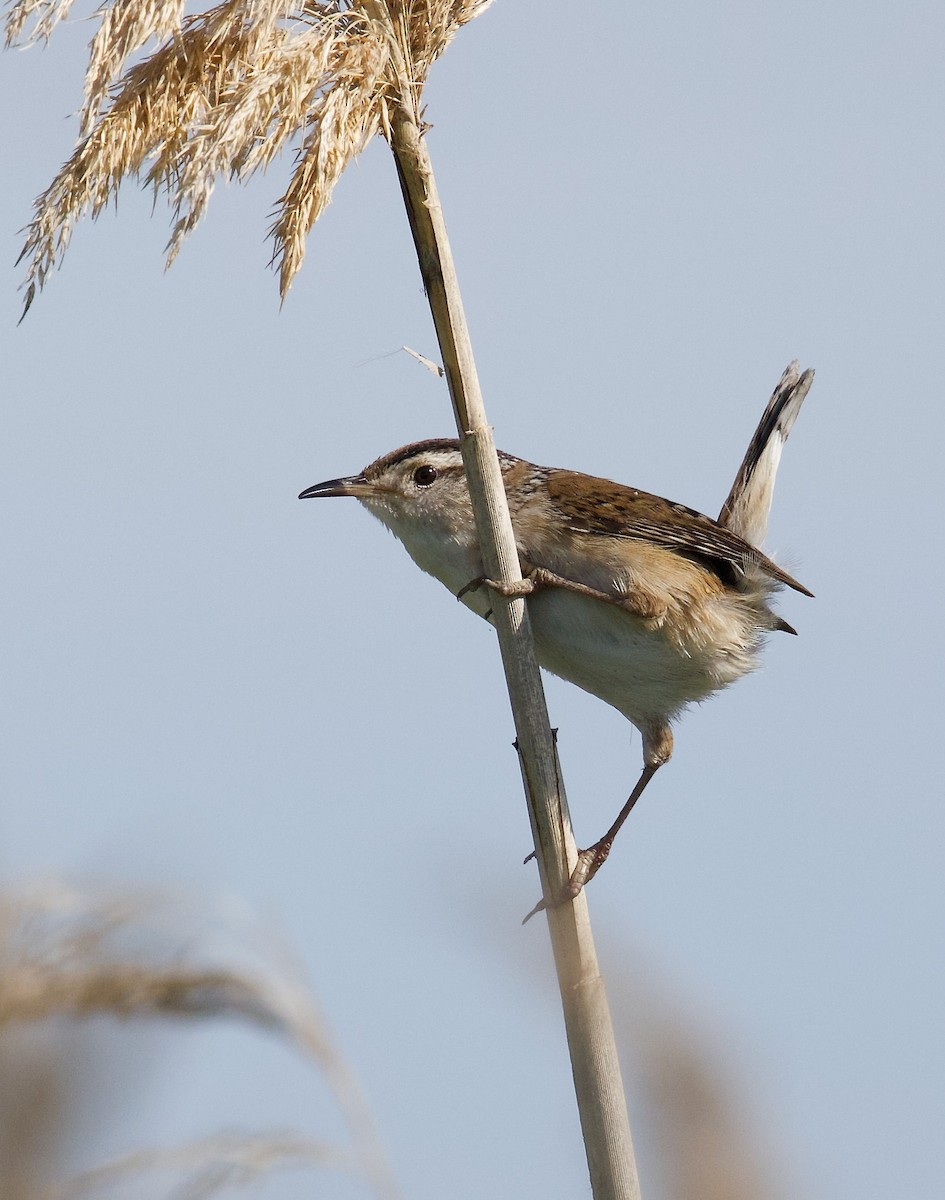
{"x":224,"y":93}
{"x":707,"y":1141}
{"x":201,"y":1168}
{"x":68,"y":952}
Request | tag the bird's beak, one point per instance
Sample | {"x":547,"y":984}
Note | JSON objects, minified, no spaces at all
{"x":353,"y":485}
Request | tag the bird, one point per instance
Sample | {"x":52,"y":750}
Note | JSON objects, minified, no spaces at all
{"x":643,"y":602}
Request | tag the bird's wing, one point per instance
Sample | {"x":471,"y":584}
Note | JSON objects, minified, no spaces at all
{"x":599,"y":506}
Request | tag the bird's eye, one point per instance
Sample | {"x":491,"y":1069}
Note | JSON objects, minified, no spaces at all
{"x":425,"y":475}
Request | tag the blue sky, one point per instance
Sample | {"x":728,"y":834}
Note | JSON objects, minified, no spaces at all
{"x":212,"y":686}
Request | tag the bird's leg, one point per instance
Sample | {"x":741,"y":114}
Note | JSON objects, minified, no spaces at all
{"x":593,"y":858}
{"x":535,"y":578}
{"x":657,"y":750}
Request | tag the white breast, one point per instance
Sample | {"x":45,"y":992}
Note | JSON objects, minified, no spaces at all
{"x":641,"y":670}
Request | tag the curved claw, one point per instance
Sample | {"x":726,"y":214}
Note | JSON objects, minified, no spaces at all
{"x":473,"y":586}
{"x":539,"y":907}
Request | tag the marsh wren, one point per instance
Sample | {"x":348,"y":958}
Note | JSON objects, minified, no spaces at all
{"x":647,"y":604}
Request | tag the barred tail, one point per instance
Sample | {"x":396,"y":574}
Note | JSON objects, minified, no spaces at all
{"x":746,"y":510}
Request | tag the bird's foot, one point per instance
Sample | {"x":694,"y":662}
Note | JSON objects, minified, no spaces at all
{"x":511,"y":591}
{"x":589,"y":862}
{"x":535,"y":578}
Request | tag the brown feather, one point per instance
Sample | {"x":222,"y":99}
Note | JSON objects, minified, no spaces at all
{"x":599,"y":506}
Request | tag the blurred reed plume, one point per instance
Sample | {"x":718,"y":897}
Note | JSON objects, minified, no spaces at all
{"x":222,"y":94}
{"x":707,"y":1142}
{"x":67,"y":952}
{"x":198,"y":1170}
